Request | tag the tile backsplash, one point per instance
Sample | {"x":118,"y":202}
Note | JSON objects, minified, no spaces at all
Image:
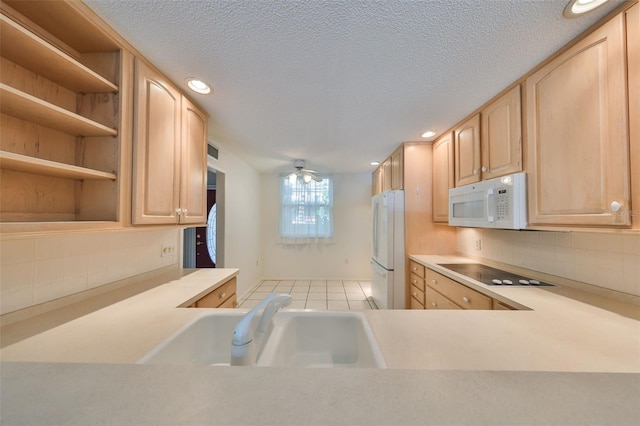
{"x":37,"y":269}
{"x":608,"y":260}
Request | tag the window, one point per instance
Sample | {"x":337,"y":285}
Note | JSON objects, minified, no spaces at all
{"x":306,"y":209}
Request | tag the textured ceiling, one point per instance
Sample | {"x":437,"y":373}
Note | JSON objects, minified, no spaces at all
{"x":341,"y":83}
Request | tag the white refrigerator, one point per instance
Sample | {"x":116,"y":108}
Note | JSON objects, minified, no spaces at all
{"x":387,"y":242}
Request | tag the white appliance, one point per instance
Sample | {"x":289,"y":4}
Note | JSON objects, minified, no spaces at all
{"x":387,"y":260}
{"x":495,"y":203}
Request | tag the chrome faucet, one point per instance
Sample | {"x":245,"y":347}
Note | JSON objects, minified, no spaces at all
{"x":247,"y":345}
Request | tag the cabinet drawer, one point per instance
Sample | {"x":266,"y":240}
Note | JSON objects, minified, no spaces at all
{"x":417,"y":294}
{"x":415,"y":304}
{"x":416,"y":268}
{"x":218,"y":296}
{"x":417,"y":281}
{"x":459,"y":294}
{"x":434,"y":300}
{"x":500,"y":306}
{"x":229,"y":303}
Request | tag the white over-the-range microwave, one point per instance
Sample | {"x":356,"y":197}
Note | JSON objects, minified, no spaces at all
{"x":495,"y":203}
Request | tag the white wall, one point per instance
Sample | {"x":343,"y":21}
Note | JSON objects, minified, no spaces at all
{"x":346,"y":258}
{"x":608,"y":260}
{"x":242,"y":207}
{"x":39,"y":268}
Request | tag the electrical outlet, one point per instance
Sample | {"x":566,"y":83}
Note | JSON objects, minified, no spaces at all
{"x":478,"y":244}
{"x":167,"y":250}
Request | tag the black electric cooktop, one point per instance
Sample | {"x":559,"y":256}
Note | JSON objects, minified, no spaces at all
{"x":491,"y":276}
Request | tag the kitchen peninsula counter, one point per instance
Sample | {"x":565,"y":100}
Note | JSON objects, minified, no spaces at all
{"x":560,"y":360}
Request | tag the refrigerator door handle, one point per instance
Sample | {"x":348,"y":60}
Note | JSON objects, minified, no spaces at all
{"x":375,"y":228}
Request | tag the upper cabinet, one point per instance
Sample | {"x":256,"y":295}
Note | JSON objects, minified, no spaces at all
{"x":633,"y":74}
{"x":63,"y":138}
{"x":577,"y":140}
{"x":489,"y":144}
{"x":501,"y":138}
{"x":390,"y":174}
{"x":442,"y":176}
{"x":169,"y":153}
{"x":467,"y":151}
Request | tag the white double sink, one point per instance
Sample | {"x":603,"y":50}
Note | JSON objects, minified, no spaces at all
{"x":297,"y":339}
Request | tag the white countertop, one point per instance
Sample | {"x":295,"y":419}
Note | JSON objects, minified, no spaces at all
{"x":445,"y":366}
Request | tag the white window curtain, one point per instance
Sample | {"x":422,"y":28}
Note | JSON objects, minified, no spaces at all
{"x":306,"y":210}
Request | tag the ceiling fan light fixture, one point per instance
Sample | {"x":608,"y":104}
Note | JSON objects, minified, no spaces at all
{"x":198,"y":86}
{"x":306,"y":178}
{"x":577,"y":8}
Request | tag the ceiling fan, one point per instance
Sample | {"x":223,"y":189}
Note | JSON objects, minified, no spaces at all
{"x":301,"y":173}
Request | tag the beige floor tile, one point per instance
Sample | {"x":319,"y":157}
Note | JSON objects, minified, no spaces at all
{"x":317,"y":289}
{"x":248,"y":304}
{"x":356,"y":296}
{"x":360,"y":305}
{"x":339,"y":290}
{"x":271,"y":282}
{"x":297,"y":304}
{"x":258,"y":295}
{"x":317,"y":296}
{"x":301,"y":282}
{"x":299,"y":296}
{"x":334,"y":283}
{"x":282,"y":289}
{"x":316,"y":304}
{"x":336,"y":305}
{"x":318,"y":282}
{"x":350,"y":290}
{"x":337,"y":296}
{"x":351,"y":284}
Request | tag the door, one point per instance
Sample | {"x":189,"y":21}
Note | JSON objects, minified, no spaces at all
{"x":204,"y":236}
{"x":382,"y":231}
{"x":193,"y":192}
{"x":156,"y":189}
{"x":442,"y":177}
{"x":381,"y":286}
{"x":467,"y":152}
{"x":577,"y":140}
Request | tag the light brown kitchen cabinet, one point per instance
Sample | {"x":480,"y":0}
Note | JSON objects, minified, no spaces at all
{"x":442,"y":176}
{"x":169,"y":153}
{"x":467,"y":151}
{"x":386,"y":174}
{"x":64,"y":135}
{"x":577,"y":140}
{"x":222,"y":297}
{"x":397,"y":169}
{"x":501,"y":136}
{"x":434,"y":300}
{"x":633,"y":74}
{"x":376,"y":181}
{"x":456,"y":293}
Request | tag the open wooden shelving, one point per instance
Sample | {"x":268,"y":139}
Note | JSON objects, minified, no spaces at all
{"x":24,"y":163}
{"x":29,"y":108}
{"x":31,"y":52}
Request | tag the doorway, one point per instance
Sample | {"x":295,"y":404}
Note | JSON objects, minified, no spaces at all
{"x":203,"y":247}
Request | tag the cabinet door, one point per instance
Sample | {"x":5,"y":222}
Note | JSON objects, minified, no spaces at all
{"x":577,"y":133}
{"x":397,"y":168}
{"x":193,"y":193}
{"x":156,"y":187}
{"x":633,"y":73}
{"x":502,"y":136}
{"x":376,"y":178}
{"x":386,"y":175}
{"x":442,"y":177}
{"x":467,"y":151}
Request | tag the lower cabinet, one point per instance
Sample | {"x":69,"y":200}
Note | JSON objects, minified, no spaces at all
{"x":222,"y":297}
{"x":444,"y":293}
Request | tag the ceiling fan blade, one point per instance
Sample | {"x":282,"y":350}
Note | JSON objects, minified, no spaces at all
{"x":316,"y":178}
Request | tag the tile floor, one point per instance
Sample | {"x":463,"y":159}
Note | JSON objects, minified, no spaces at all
{"x":319,"y":295}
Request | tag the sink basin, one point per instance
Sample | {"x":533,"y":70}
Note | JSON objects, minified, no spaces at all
{"x":297,"y":339}
{"x":321,"y":339}
{"x":204,"y":341}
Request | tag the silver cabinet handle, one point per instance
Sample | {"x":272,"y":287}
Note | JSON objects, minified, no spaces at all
{"x":223,"y":295}
{"x":415,"y":294}
{"x":178,"y":211}
{"x":414,"y":268}
{"x":434,"y":281}
{"x":616,"y":206}
{"x":434,"y":304}
{"x":185,"y":212}
{"x":414,"y":282}
{"x":484,"y":169}
{"x":475,"y":171}
{"x":466,"y":299}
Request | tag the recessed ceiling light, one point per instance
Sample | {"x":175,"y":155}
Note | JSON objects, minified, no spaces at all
{"x":375,"y":163}
{"x":428,"y":134}
{"x":198,"y":86}
{"x":576,"y":8}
